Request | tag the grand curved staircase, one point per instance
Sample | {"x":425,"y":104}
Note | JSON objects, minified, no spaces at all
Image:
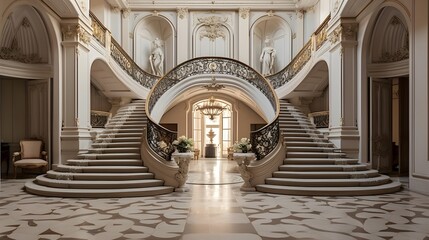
{"x":111,"y":168}
{"x":313,"y":166}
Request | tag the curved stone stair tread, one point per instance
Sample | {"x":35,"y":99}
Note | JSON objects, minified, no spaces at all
{"x":114,"y":150}
{"x":113,"y":139}
{"x":330,"y":191}
{"x":110,"y":155}
{"x":336,"y":161}
{"x":99,"y":176}
{"x":325,"y":174}
{"x":101,"y":169}
{"x":94,"y":184}
{"x":96,"y":193}
{"x":116,"y":144}
{"x":108,"y":162}
{"x":323,"y":167}
{"x":332,"y":182}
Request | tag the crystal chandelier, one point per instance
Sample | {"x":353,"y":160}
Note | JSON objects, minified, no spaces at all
{"x":210,"y":108}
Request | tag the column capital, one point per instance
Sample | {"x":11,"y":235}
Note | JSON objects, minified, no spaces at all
{"x":244,"y":12}
{"x":75,"y":32}
{"x":182,"y":12}
{"x":344,"y":31}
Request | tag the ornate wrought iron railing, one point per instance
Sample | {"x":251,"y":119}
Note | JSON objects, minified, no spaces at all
{"x":99,"y":118}
{"x":214,"y":65}
{"x":157,"y":134}
{"x":265,"y":139}
{"x":120,"y":56}
{"x":318,"y":38}
{"x":320,"y":119}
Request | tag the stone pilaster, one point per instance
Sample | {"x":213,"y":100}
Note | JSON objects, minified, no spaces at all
{"x":182,"y":35}
{"x":75,"y":97}
{"x":343,"y":87}
{"x":243,"y":33}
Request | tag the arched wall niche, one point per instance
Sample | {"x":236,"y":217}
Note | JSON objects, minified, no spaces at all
{"x":146,"y":31}
{"x":213,"y":37}
{"x":279,"y":33}
{"x":24,"y":37}
{"x":390,"y":36}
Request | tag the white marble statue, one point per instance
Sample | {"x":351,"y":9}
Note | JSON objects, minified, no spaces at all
{"x":156,"y":58}
{"x":267,"y":58}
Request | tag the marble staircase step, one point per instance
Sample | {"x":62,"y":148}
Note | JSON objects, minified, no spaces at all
{"x":110,"y":156}
{"x":336,"y":161}
{"x":326,"y":174}
{"x":99,"y":176}
{"x":116,"y":144}
{"x":109,"y":162}
{"x":309,"y":144}
{"x":330,"y":191}
{"x":117,"y":139}
{"x":96,"y":193}
{"x":100,"y":150}
{"x":101,"y":169}
{"x":310,"y":149}
{"x":335,"y":182}
{"x":315,"y":155}
{"x":100,"y":184}
{"x":323,"y":167}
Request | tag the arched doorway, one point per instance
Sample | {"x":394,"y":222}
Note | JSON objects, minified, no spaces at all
{"x":212,"y":134}
{"x":388,"y":98}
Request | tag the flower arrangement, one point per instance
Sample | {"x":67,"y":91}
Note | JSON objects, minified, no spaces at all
{"x":183,"y":144}
{"x":243,"y":146}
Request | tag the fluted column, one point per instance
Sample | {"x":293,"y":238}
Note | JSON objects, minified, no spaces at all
{"x":75,"y":97}
{"x":342,"y":86}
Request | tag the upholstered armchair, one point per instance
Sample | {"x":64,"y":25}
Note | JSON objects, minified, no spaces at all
{"x":30,"y":156}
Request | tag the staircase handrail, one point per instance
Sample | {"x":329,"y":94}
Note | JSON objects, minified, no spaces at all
{"x":121,"y":57}
{"x":318,"y":38}
{"x":210,"y":65}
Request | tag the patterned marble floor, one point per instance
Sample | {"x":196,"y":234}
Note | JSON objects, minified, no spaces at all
{"x":212,"y":212}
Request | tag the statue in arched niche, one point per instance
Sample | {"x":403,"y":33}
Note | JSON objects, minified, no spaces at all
{"x":156,"y":58}
{"x":267,"y":58}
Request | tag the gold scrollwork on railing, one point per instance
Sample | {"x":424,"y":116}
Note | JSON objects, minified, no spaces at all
{"x":321,"y":34}
{"x":98,"y":30}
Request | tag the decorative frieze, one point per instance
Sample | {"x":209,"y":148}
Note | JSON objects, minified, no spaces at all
{"x":182,"y":12}
{"x":212,"y":27}
{"x":244,"y":12}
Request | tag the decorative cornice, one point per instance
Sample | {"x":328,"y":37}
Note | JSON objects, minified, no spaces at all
{"x":244,"y":12}
{"x":115,"y":9}
{"x":212,"y":27}
{"x":182,"y":12}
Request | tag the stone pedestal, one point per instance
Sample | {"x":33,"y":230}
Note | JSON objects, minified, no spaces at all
{"x":182,"y":160}
{"x":210,"y":150}
{"x":243,"y":160}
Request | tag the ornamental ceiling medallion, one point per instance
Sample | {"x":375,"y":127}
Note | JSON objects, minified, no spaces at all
{"x":212,"y":27}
